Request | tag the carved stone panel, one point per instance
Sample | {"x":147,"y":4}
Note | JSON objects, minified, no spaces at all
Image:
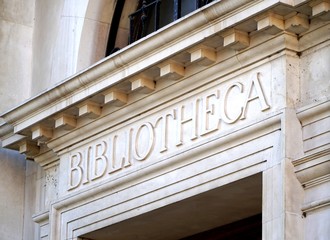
{"x":163,"y":133}
{"x":51,"y":184}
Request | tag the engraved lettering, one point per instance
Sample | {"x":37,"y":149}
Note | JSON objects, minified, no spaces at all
{"x":149,"y":138}
{"x":87,"y":158}
{"x":75,"y":171}
{"x":99,"y":161}
{"x":164,"y":131}
{"x":115,"y":164}
{"x":210,"y":120}
{"x":182,"y":119}
{"x":255,"y":83}
{"x":127,"y":159}
{"x":224,"y":105}
{"x":147,"y":142}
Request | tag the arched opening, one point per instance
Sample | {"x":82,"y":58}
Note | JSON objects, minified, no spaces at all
{"x":119,"y":28}
{"x":111,"y":46}
{"x":97,"y":19}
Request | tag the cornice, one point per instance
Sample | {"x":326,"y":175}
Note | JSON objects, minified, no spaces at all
{"x":121,"y":59}
{"x":41,"y":217}
{"x":158,"y":59}
{"x":167,"y":96}
{"x":312,"y":112}
{"x":313,"y":168}
{"x":316,"y":205}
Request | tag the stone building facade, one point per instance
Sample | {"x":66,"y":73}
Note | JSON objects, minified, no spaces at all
{"x":213,"y":125}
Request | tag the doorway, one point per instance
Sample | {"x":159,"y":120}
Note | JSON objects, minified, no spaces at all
{"x":227,"y":212}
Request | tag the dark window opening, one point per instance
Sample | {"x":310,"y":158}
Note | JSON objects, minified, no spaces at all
{"x":249,"y":228}
{"x":152,"y":15}
{"x":111,"y":48}
{"x":145,"y":20}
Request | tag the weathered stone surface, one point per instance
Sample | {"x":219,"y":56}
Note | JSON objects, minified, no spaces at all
{"x":219,"y":116}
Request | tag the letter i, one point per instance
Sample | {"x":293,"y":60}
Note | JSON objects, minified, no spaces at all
{"x":86,"y":165}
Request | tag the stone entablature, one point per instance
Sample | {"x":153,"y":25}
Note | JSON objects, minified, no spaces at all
{"x":126,"y":76}
{"x":204,"y":114}
{"x":180,"y":99}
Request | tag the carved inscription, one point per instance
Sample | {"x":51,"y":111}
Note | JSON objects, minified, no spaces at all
{"x":178,"y":125}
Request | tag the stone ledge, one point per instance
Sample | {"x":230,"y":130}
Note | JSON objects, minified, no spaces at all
{"x":316,"y":205}
{"x":311,"y":168}
{"x":42,"y":217}
{"x":114,"y":71}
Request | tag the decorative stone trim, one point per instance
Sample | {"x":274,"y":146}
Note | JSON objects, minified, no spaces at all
{"x":203,"y":56}
{"x":143,"y":85}
{"x":216,"y":144}
{"x":115,"y":97}
{"x":127,"y":72}
{"x":308,"y":114}
{"x":235,"y":39}
{"x":29,"y":148}
{"x":65,"y":121}
{"x":317,"y":181}
{"x":321,"y":8}
{"x":171,"y":70}
{"x":41,"y":133}
{"x":316,"y":205}
{"x":313,"y":169}
{"x":90,"y":109}
{"x":296,"y":23}
{"x":270,"y":23}
{"x":10,"y":140}
{"x":41,"y":217}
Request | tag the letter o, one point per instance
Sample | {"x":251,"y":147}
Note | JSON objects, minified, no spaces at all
{"x":151,"y":139}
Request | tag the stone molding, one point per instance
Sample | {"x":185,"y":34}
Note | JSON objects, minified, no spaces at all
{"x":252,"y":162}
{"x":316,"y":205}
{"x":34,"y":119}
{"x":226,"y":141}
{"x":120,"y":59}
{"x":41,"y":217}
{"x":218,"y":43}
{"x":314,"y":168}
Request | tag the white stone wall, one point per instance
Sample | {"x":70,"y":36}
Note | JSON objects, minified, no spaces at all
{"x":44,"y":42}
{"x":313,"y":170}
{"x":16,"y":34}
{"x":40,"y":42}
{"x":12,"y":179}
{"x":68,"y":37}
{"x":284,"y":137}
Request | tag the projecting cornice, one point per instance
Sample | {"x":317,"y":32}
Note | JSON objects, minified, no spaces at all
{"x":140,"y":50}
{"x":221,"y":32}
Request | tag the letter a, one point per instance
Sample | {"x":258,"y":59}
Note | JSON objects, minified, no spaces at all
{"x":255,"y":83}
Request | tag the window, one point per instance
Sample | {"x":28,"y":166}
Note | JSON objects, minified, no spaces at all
{"x":154,"y":14}
{"x":111,"y":46}
{"x":149,"y":16}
